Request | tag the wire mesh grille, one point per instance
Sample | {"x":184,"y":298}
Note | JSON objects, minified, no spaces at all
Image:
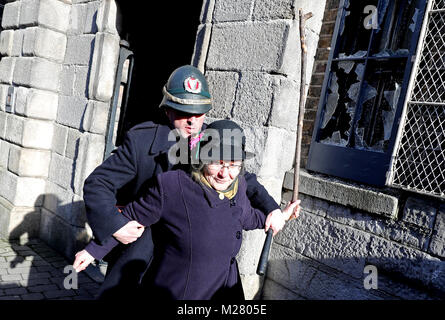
{"x":438,"y":4}
{"x":430,"y":77}
{"x":420,"y":159}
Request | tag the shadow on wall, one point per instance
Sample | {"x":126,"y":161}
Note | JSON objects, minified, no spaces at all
{"x":330,"y":263}
{"x":33,"y":269}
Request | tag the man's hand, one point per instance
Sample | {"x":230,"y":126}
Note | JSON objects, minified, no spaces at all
{"x":276,"y":219}
{"x":130,"y":232}
{"x":83,"y":260}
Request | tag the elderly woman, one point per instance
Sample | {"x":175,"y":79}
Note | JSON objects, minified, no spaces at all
{"x":197,"y":220}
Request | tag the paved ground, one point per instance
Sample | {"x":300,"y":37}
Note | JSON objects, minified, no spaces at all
{"x":34,"y":271}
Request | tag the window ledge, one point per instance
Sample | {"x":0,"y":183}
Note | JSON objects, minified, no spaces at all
{"x":344,"y":193}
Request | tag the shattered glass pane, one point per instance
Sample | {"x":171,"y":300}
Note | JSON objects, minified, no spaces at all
{"x":341,"y":100}
{"x":350,"y":41}
{"x":380,"y":97}
{"x":397,"y":22}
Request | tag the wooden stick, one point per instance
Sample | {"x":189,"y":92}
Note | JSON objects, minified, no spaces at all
{"x":261,"y":270}
{"x":303,"y":19}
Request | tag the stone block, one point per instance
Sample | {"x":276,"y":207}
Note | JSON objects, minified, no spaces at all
{"x":285,"y":103}
{"x":278,"y":153}
{"x":274,"y":291}
{"x":71,"y":111}
{"x":252,"y":285}
{"x":73,"y":144}
{"x":92,"y":9}
{"x":14,"y":129}
{"x":419,"y":213}
{"x":106,"y":17}
{"x":208,"y":7}
{"x":224,"y":86}
{"x":2,"y":125}
{"x":8,"y":186}
{"x":232,"y":46}
{"x":45,"y":43}
{"x":17,"y":44}
{"x":6,"y":42}
{"x":21,"y":95}
{"x":11,"y":15}
{"x":81,"y":81}
{"x":79,"y":50}
{"x":42,"y":104}
{"x":61,"y":203}
{"x":60,"y":139}
{"x":38,"y":134}
{"x":4,"y":153}
{"x":3,"y":94}
{"x":52,"y":14}
{"x":5,"y":213}
{"x":437,"y":245}
{"x":7,"y":65}
{"x":61,"y":171}
{"x":29,"y":192}
{"x":254,"y":98}
{"x":24,"y":222}
{"x":103,"y":70}
{"x":225,"y":11}
{"x":274,"y":9}
{"x":62,"y":236}
{"x":78,"y":19}
{"x":37,"y":73}
{"x":345,"y":194}
{"x":67,"y":78}
{"x":29,"y":162}
{"x":98,"y":117}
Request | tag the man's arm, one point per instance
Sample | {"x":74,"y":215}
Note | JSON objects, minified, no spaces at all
{"x":258,"y":195}
{"x":100,"y":190}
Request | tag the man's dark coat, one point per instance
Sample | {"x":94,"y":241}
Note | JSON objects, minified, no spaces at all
{"x":124,"y":177}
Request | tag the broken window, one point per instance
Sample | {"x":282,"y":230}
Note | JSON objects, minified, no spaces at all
{"x":368,"y":72}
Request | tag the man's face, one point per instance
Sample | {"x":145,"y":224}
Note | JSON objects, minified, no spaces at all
{"x":187,"y":124}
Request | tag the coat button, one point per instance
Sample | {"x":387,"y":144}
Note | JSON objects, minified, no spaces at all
{"x":238,"y":234}
{"x":232,"y":260}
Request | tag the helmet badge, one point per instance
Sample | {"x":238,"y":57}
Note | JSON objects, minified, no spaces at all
{"x":192,"y":85}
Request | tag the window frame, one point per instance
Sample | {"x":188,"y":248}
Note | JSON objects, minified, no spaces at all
{"x":366,"y":166}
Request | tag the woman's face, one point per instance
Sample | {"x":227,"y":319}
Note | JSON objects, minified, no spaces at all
{"x":221,"y":174}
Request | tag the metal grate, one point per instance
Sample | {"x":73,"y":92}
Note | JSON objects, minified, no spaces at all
{"x":419,"y":163}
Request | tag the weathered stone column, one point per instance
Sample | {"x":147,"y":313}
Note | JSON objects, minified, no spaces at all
{"x":250,"y":52}
{"x":56,"y":83}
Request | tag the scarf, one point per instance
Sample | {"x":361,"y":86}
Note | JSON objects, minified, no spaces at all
{"x":229,"y":193}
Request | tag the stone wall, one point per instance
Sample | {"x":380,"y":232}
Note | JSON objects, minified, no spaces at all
{"x":250,"y":53}
{"x":57,"y":68}
{"x":345,"y":227}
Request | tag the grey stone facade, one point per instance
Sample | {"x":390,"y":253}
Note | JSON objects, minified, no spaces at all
{"x":57,"y":70}
{"x":57,"y":73}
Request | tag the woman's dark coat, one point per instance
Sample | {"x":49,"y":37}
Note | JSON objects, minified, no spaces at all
{"x":197,"y":236}
{"x":124,"y":177}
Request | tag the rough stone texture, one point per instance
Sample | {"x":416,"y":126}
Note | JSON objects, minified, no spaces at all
{"x":71,"y":111}
{"x":285,"y":103}
{"x":7,"y":69}
{"x":223,"y":98}
{"x":37,"y":134}
{"x":349,"y":195}
{"x":52,"y":14}
{"x":6,"y":42}
{"x":11,"y":14}
{"x":79,"y":49}
{"x":271,"y":10}
{"x":29,"y":162}
{"x":437,"y":245}
{"x":24,"y":222}
{"x":61,"y":170}
{"x":98,"y":114}
{"x":106,"y":17}
{"x":232,"y":46}
{"x":45,"y":43}
{"x":104,"y":64}
{"x":60,"y":139}
{"x":28,"y":192}
{"x":232,"y":10}
{"x":37,"y":73}
{"x":419,"y":213}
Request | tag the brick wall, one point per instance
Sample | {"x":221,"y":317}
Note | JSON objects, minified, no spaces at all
{"x":315,"y":87}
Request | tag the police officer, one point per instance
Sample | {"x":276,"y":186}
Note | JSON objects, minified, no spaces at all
{"x":126,"y":174}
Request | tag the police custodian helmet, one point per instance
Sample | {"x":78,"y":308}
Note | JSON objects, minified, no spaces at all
{"x":187,"y":91}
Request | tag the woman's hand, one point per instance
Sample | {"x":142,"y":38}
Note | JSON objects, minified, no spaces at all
{"x":277,"y":219}
{"x":292,"y":210}
{"x":83,"y":260}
